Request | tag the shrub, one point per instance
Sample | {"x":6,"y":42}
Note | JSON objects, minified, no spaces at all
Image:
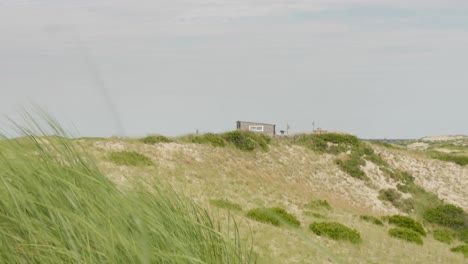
{"x":130,"y":158}
{"x":225,"y":204}
{"x":155,"y":139}
{"x":247,"y":141}
{"x":446,"y":215}
{"x":407,"y":222}
{"x":372,"y":219}
{"x":327,"y":143}
{"x":462,"y":235}
{"x":275,"y":216}
{"x":391,"y":195}
{"x":404,"y":188}
{"x":406,"y":234}
{"x":314,"y":214}
{"x":335,"y":231}
{"x":209,"y":138}
{"x":442,"y":236}
{"x":461,"y":249}
{"x":352,"y":165}
{"x":318,"y":204}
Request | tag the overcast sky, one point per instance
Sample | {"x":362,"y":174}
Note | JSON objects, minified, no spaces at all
{"x":378,"y":69}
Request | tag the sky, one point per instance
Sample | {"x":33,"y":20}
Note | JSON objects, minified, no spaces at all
{"x":377,"y":69}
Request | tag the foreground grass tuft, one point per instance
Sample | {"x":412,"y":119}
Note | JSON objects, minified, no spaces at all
{"x":58,"y":207}
{"x":335,"y":231}
{"x":406,"y":234}
{"x":130,"y":158}
{"x":274,"y":216}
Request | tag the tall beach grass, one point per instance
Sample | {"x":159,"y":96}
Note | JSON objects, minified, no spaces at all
{"x":56,"y":206}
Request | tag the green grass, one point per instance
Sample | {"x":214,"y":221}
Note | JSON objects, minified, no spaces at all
{"x":209,"y":138}
{"x":406,"y":222}
{"x":461,"y":160}
{"x":274,"y":216}
{"x":155,"y":139}
{"x":335,"y":231}
{"x":225,"y":204}
{"x":56,"y":206}
{"x":318,"y":204}
{"x":442,"y":236}
{"x":130,"y":158}
{"x":461,"y":249}
{"x":407,"y":235}
{"x":352,"y":165}
{"x":462,"y":234}
{"x":372,"y":219}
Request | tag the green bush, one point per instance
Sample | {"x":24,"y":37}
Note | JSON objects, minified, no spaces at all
{"x":155,"y":139}
{"x":442,"y":236}
{"x":339,"y":143}
{"x":247,"y":141}
{"x":275,"y":216}
{"x":462,"y":234}
{"x":446,"y":215}
{"x":209,"y":138}
{"x":130,"y":158}
{"x":407,"y":222}
{"x":335,"y":231}
{"x":352,"y":165}
{"x":461,"y":249}
{"x":406,"y":234}
{"x":318,"y":204}
{"x":225,"y":204}
{"x":372,"y":219}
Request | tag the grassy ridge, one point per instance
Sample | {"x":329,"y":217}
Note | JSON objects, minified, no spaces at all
{"x":57,"y":207}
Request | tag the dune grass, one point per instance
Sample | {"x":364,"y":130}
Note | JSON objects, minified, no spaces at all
{"x":56,"y":206}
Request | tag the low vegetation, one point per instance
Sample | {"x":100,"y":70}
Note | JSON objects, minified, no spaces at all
{"x":461,"y":249}
{"x":318,"y":204}
{"x":130,"y":158}
{"x":248,"y":141}
{"x":406,"y":222}
{"x":335,"y":231}
{"x":442,"y":236}
{"x":372,"y":219}
{"x":275,"y":216}
{"x":447,"y":215}
{"x":351,"y":164}
{"x":395,"y":198}
{"x":406,"y":234}
{"x":155,"y":139}
{"x":459,"y":159}
{"x":225,"y":204}
{"x":243,"y":140}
